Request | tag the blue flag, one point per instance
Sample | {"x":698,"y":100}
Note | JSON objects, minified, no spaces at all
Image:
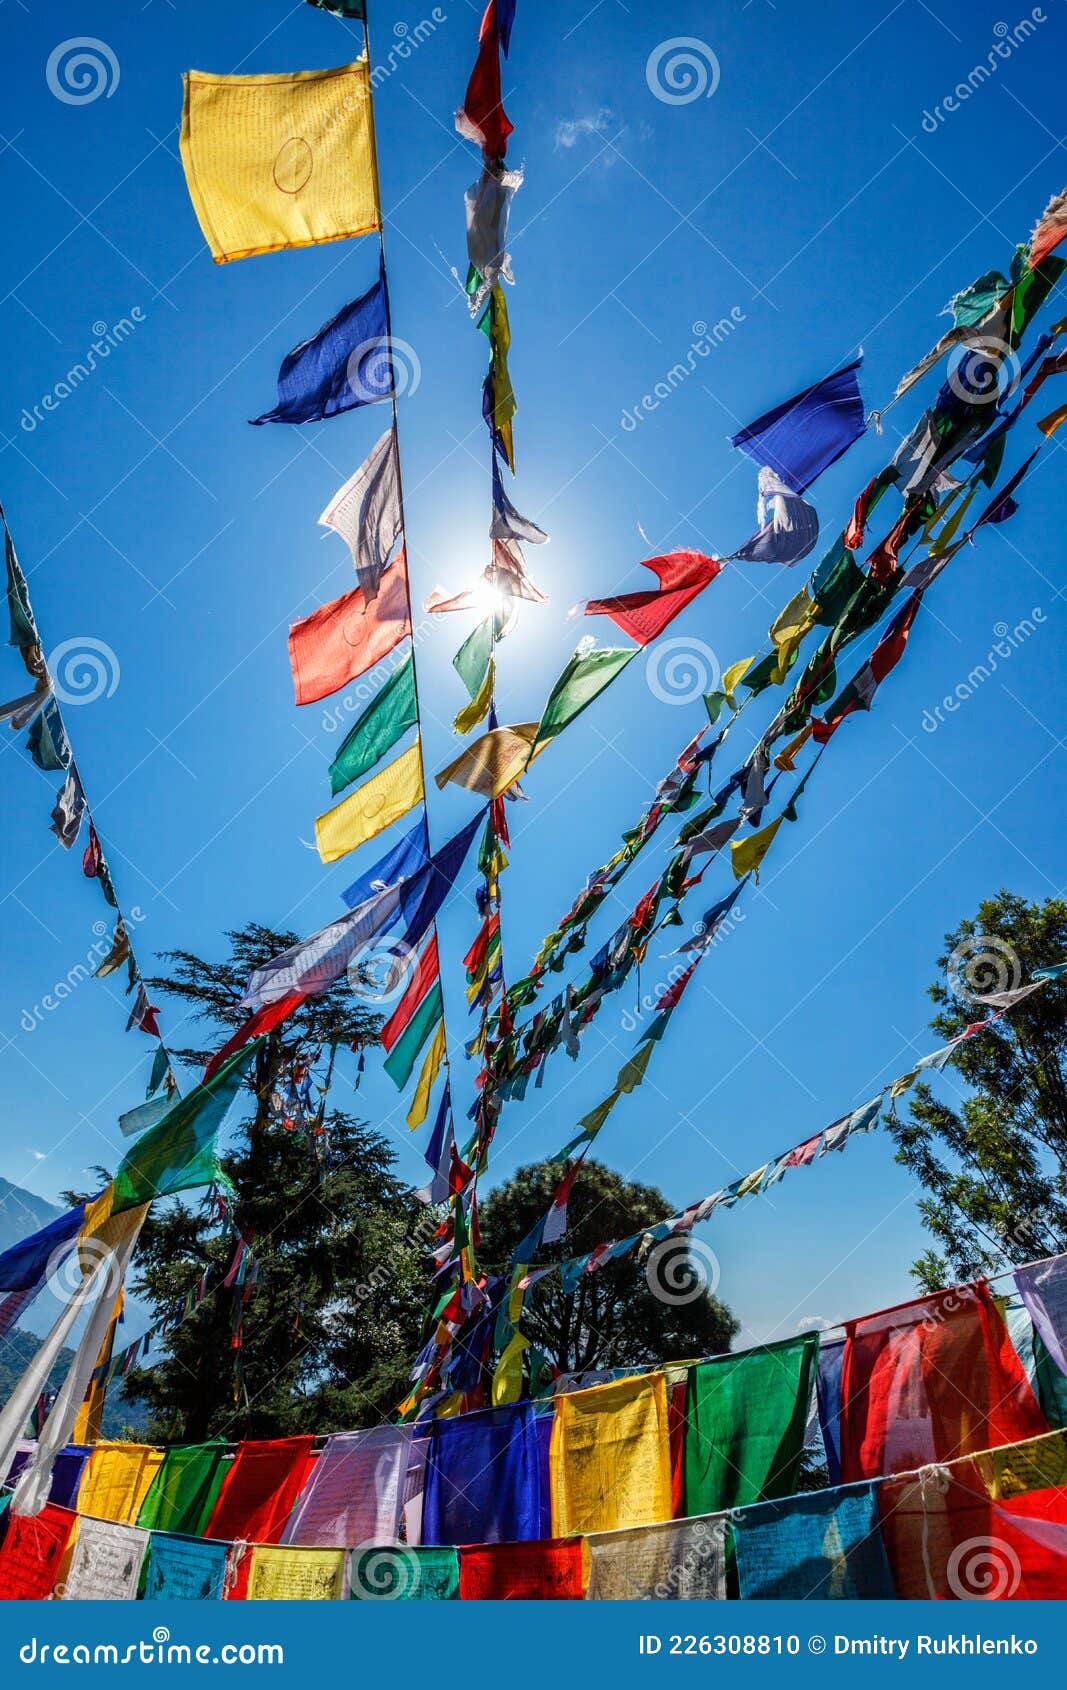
{"x":348,"y":363}
{"x":406,"y":858}
{"x":803,"y":436}
{"x":420,"y":902}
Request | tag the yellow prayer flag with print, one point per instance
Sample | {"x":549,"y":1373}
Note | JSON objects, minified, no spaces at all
{"x":494,"y":762}
{"x":373,"y":807}
{"x":116,"y":1479}
{"x":507,"y":1380}
{"x":610,"y":1457}
{"x":420,"y":1103}
{"x":748,"y":854}
{"x":472,"y":713}
{"x":280,"y":161}
{"x":296,"y":1575}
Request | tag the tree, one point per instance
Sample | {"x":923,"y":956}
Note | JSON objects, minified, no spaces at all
{"x":994,"y":1167}
{"x":625,"y":1313}
{"x":342,"y":1282}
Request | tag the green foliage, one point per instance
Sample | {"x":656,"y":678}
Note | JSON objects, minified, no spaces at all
{"x":335,"y":1316}
{"x":994,"y":1167}
{"x":614,"y":1318}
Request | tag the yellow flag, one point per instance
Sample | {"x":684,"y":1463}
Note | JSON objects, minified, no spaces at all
{"x":281,"y":1574}
{"x":280,"y":161}
{"x":420,"y":1103}
{"x":472,"y":714}
{"x":788,"y":629}
{"x":786,"y":759}
{"x":494,"y":762}
{"x":747,"y":854}
{"x":733,"y":677}
{"x":116,"y":1479}
{"x":373,"y":807}
{"x":1048,"y":425}
{"x":751,"y":1181}
{"x":507,"y":1380}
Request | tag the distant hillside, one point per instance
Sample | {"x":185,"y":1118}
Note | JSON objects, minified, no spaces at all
{"x":22,"y":1213}
{"x":17,"y":1351}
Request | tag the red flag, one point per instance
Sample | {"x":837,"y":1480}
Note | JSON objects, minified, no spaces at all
{"x":853,"y":535}
{"x":425,"y":972}
{"x":1050,"y":230}
{"x":347,"y":637}
{"x":885,"y":656}
{"x":671,"y":996}
{"x":482,"y":117}
{"x":263,"y":1021}
{"x":92,"y":855}
{"x":644,"y":615}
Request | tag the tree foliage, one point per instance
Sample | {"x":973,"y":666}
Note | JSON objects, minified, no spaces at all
{"x":993,"y":1165}
{"x":342,"y":1281}
{"x":615,"y":1317}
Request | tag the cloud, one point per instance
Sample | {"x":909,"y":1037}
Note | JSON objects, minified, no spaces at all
{"x":38,"y":1155}
{"x":571,"y":130}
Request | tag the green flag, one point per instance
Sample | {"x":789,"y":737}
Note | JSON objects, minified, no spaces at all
{"x":343,"y":8}
{"x":471,"y":661}
{"x":384,"y":722}
{"x":745,"y":1422}
{"x":183,"y":1492}
{"x":583,"y":680}
{"x":180,"y":1151}
{"x":401,"y":1059}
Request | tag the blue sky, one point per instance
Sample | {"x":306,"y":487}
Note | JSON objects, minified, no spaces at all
{"x":823,"y":200}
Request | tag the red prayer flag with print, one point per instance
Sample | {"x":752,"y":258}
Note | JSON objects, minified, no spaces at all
{"x":425,"y":973}
{"x":346,"y":637}
{"x":482,"y":117}
{"x":259,"y":1491}
{"x":947,"y":1539}
{"x":644,"y":615}
{"x":263,"y":1021}
{"x":32,"y":1552}
{"x":949,"y":1359}
{"x":550,"y":1571}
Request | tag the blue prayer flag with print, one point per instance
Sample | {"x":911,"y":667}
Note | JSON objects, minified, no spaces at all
{"x":825,"y":1546}
{"x":485,"y":1478}
{"x":348,"y":363}
{"x":403,"y":862}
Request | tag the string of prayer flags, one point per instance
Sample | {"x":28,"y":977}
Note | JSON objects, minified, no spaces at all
{"x":482,"y":118}
{"x":373,"y":807}
{"x":644,"y":615}
{"x":804,"y":435}
{"x":859,"y":693}
{"x":342,"y":640}
{"x":389,"y":716}
{"x":366,"y":513}
{"x":280,"y":161}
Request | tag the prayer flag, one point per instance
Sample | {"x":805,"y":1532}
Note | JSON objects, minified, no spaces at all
{"x":485,"y":1481}
{"x":259,"y":1490}
{"x":804,"y":435}
{"x":355,"y":1494}
{"x":420,"y":1103}
{"x":313,"y":965}
{"x":644,"y":615}
{"x":482,"y":117}
{"x":106,"y":1562}
{"x":425,"y":972}
{"x":404,"y":1054}
{"x":494,"y":762}
{"x":265,"y":1019}
{"x":405,"y":1573}
{"x":69,"y":809}
{"x":382,"y":725}
{"x":789,"y":526}
{"x":343,"y":8}
{"x":348,"y":636}
{"x":184,"y":1569}
{"x":185,"y":1489}
{"x":488,"y":207}
{"x":280,"y":161}
{"x":745,"y":1422}
{"x":347,"y":363}
{"x":32,"y":1551}
{"x":373,"y":807}
{"x":403,"y":862}
{"x":116,"y":1480}
{"x":582,"y":681}
{"x":819,"y":1547}
{"x":180,"y":1152}
{"x":676,"y":1561}
{"x":296,"y":1575}
{"x":610,"y":1457}
{"x":1049,"y":230}
{"x":422,"y":897}
{"x":747,"y":854}
{"x":506,"y":522}
{"x":366,"y":513}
